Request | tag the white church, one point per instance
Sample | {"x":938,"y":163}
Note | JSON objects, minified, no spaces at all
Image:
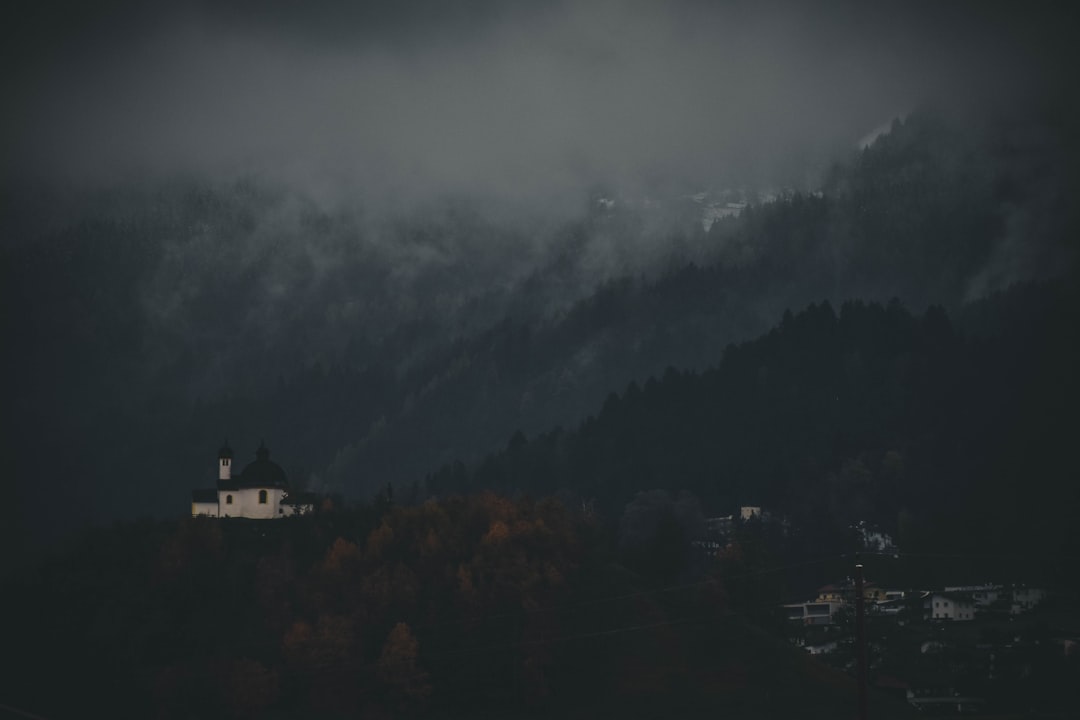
{"x":261,"y":491}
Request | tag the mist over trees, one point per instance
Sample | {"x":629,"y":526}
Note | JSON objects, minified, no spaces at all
{"x":163,"y":320}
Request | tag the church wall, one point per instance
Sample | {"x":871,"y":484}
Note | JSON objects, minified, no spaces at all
{"x":246,"y":503}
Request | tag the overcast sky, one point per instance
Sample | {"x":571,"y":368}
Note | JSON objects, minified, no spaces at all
{"x":417,"y":99}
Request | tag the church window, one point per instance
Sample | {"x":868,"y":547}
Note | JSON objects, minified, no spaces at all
{"x":262,"y":497}
{"x":228,"y":499}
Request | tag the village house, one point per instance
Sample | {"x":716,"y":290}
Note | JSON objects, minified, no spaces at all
{"x":984,"y":596}
{"x":749,"y":512}
{"x":719,"y":530}
{"x":949,"y":606}
{"x":845,"y":593}
{"x":832,"y":593}
{"x":1025,"y":598}
{"x":812,"y":612}
{"x":1016,"y":600}
{"x":894,"y":603}
{"x":831,"y":598}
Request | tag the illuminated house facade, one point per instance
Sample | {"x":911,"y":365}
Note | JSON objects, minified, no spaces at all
{"x":260,"y":492}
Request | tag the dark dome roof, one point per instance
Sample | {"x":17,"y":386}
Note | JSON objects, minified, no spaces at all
{"x":225,"y":451}
{"x":263,"y":472}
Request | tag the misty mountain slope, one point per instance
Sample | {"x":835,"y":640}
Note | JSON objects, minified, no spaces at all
{"x":923,"y":214}
{"x":870,"y":413}
{"x":143,"y":320}
{"x":380,"y":347}
{"x":943,"y":208}
{"x":529,"y":376}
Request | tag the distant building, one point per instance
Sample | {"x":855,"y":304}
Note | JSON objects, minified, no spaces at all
{"x":261,"y":491}
{"x":949,"y":606}
{"x":722,"y":527}
{"x":845,"y":592}
{"x":891,"y":608}
{"x":720,"y":531}
{"x":944,"y":701}
{"x":812,"y":613}
{"x":833,"y":593}
{"x":984,"y":596}
{"x":748,"y":512}
{"x":1025,"y":598}
{"x":1016,"y":600}
{"x":719,"y":528}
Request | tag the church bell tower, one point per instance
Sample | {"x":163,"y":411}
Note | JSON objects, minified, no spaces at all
{"x":225,"y":462}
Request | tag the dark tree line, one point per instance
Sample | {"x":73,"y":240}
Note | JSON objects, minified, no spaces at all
{"x":477,"y":604}
{"x":944,"y":437}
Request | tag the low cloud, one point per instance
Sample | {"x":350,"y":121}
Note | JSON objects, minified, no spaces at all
{"x":521,"y":102}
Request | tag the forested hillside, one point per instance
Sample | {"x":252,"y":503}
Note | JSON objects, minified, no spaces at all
{"x":600,"y":347}
{"x":948,"y":438}
{"x":931,"y":213}
{"x":959,"y":441}
{"x":469,"y":607}
{"x":367,"y":350}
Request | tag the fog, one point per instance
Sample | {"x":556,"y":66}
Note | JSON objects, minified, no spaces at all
{"x":529,"y":103}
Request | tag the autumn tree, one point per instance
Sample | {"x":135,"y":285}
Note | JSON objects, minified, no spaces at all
{"x":399,"y":670}
{"x":324,"y":660}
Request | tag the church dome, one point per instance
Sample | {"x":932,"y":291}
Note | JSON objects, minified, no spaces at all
{"x":263,"y":472}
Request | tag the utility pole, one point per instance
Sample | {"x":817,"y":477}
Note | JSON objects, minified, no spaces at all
{"x":860,"y":640}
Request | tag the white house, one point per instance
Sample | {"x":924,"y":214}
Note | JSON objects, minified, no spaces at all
{"x":1017,"y":599}
{"x":748,"y":512}
{"x":261,"y":491}
{"x":949,"y":606}
{"x":813,"y":612}
{"x":984,"y":595}
{"x":1025,"y":598}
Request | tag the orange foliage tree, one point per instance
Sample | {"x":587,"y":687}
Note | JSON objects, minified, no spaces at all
{"x":400,"y":671}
